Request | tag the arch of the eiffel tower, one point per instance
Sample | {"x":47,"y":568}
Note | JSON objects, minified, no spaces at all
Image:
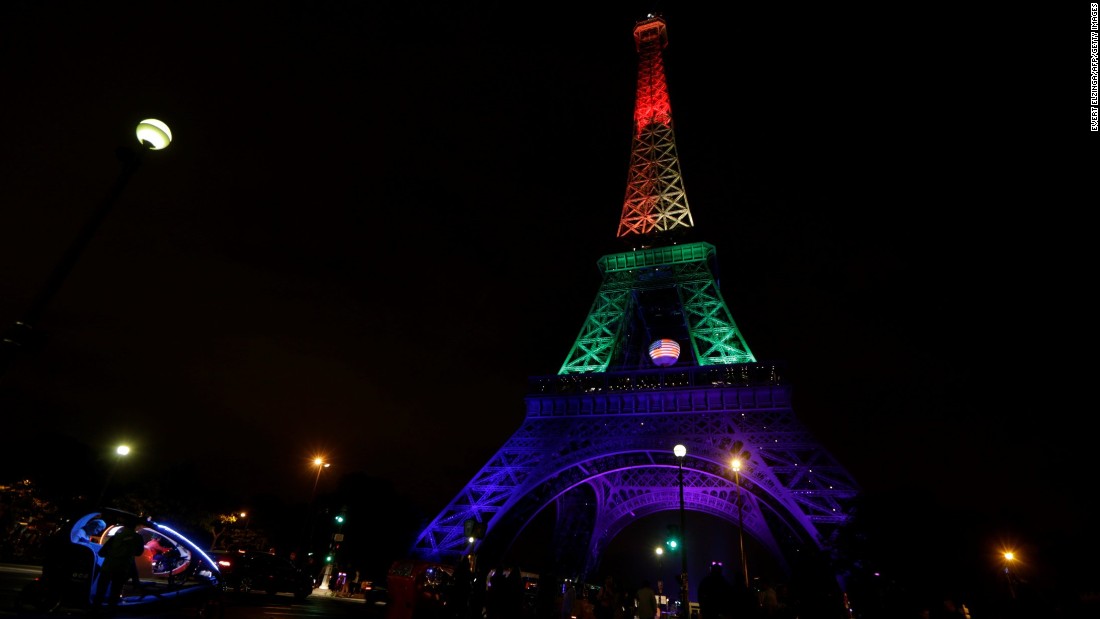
{"x":597,"y":441}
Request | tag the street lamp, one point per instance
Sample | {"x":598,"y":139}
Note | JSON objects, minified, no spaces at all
{"x":120,"y":452}
{"x":1009,"y":558}
{"x":662,"y":599}
{"x":740,"y":512}
{"x":321,"y":465}
{"x":152,"y":134}
{"x":685,"y":594}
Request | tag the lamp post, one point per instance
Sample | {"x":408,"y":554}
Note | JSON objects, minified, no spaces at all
{"x":152,"y":134}
{"x":120,"y":452}
{"x":1009,"y":558}
{"x":662,"y":599}
{"x":685,"y":594}
{"x":321,"y":465}
{"x":740,"y":513}
{"x":330,"y":558}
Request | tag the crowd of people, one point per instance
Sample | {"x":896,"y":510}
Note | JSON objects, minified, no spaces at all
{"x":502,"y":593}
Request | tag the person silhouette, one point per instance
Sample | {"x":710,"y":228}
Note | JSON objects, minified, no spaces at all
{"x":515,"y":592}
{"x":646,"y":599}
{"x":606,"y":599}
{"x":715,"y":595}
{"x":461,"y":588}
{"x":119,"y":552}
{"x":496,"y":597}
{"x":568,"y":598}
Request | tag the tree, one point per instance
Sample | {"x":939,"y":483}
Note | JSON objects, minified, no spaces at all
{"x":218,"y":525}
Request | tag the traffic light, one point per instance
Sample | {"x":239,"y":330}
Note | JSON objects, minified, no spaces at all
{"x":473,"y":530}
{"x":339,"y":519}
{"x":672,"y":540}
{"x":328,"y":558}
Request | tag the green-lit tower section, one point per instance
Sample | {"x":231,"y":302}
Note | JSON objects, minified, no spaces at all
{"x":660,"y":288}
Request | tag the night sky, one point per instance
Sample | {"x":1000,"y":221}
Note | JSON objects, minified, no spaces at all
{"x":374,"y":224}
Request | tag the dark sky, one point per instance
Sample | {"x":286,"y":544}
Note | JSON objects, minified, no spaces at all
{"x":375,"y":223}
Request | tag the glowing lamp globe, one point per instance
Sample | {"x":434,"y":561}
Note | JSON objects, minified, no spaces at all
{"x":664,"y":352}
{"x":154,"y":134}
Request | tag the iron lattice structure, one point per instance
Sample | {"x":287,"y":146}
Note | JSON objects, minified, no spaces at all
{"x":657,"y":292}
{"x":596,"y":442}
{"x":656,"y":203}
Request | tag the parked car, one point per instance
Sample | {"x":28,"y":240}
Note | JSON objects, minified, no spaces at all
{"x":418,"y":589}
{"x":245,"y":571}
{"x":375,"y":593}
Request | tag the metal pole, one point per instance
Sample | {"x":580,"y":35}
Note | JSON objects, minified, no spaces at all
{"x":107,"y":482}
{"x":21,"y":335}
{"x":741,"y":529}
{"x":120,"y":451}
{"x":685,"y":593}
{"x":309,"y":509}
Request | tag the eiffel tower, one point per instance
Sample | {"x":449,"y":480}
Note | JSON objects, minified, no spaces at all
{"x":597,"y":441}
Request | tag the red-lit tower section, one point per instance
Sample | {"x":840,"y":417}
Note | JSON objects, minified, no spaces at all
{"x":655,"y":201}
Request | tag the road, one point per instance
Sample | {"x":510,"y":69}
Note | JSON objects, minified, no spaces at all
{"x":254,"y":605}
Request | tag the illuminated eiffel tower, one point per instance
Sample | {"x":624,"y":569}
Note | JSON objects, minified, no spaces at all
{"x":597,"y":442}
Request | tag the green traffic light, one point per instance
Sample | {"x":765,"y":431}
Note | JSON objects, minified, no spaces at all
{"x":672,"y":539}
{"x":340,"y":519}
{"x":328,"y":558}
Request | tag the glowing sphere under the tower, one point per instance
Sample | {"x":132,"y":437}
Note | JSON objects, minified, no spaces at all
{"x":664,"y":352}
